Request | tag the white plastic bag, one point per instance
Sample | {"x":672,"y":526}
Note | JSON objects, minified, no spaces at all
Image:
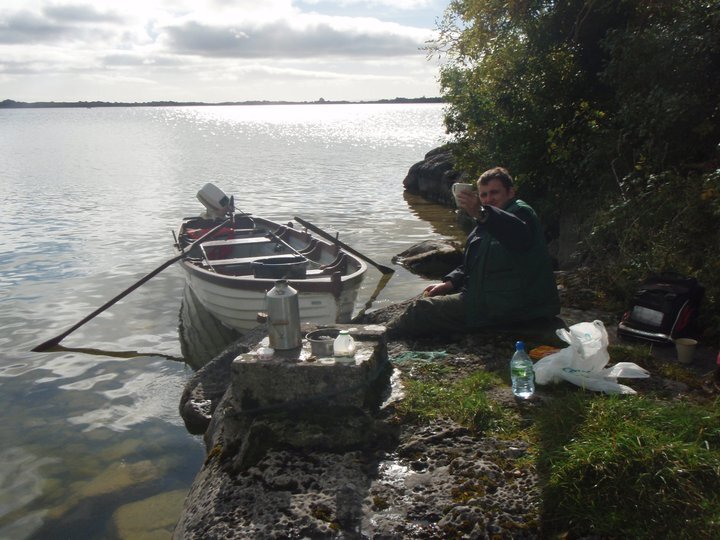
{"x":583,"y":362}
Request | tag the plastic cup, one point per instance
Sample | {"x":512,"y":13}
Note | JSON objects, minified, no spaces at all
{"x":685,"y":349}
{"x":458,"y":187}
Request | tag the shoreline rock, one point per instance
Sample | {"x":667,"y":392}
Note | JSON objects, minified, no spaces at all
{"x":433,"y":177}
{"x":432,"y":259}
{"x":429,"y":481}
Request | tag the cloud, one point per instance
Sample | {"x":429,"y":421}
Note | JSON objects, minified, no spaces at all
{"x":27,"y":27}
{"x":287,"y":73}
{"x":396,"y":4}
{"x":200,"y":49}
{"x":316,"y":37}
{"x":133,"y":60}
{"x":55,"y":25}
{"x":79,"y":13}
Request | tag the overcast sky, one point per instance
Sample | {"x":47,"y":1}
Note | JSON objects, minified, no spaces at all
{"x":216,"y":50}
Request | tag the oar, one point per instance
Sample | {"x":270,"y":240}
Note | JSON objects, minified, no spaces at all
{"x":57,"y":339}
{"x":383,"y":269}
{"x":274,"y":236}
{"x":379,"y":287}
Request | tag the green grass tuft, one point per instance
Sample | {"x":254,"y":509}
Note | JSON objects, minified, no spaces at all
{"x":464,"y":401}
{"x":629,"y":467}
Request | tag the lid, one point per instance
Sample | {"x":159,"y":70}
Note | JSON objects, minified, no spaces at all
{"x":520,"y":346}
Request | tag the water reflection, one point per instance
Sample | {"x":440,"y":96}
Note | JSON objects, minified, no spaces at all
{"x":202,"y":336}
{"x":21,"y":479}
{"x":110,"y":353}
{"x":442,"y":219}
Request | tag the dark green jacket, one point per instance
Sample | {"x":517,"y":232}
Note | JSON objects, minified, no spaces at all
{"x":507,"y":275}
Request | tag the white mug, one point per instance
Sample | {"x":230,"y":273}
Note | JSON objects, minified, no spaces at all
{"x":458,"y":187}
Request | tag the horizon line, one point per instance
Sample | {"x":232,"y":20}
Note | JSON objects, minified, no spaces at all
{"x":12,"y":104}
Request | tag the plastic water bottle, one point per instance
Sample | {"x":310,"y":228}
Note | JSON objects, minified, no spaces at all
{"x":344,"y":344}
{"x":521,"y":372}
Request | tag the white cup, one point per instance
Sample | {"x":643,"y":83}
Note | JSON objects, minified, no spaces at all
{"x":458,"y":187}
{"x":685,"y":349}
{"x":265,"y":353}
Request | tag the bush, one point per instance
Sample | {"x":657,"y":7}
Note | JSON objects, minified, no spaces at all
{"x":667,"y":222}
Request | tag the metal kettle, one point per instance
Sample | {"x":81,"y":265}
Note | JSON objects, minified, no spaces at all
{"x":283,"y":316}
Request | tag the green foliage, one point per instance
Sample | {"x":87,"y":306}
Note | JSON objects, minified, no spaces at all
{"x":629,"y":467}
{"x":602,"y":108}
{"x":464,"y":401}
{"x":669,"y":223}
{"x":577,"y":94}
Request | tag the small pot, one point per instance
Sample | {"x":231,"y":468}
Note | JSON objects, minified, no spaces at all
{"x":321,"y":341}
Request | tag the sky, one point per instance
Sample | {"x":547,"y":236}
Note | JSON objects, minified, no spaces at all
{"x":217,"y":50}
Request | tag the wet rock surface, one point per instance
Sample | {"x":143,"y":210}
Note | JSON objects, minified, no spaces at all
{"x":440,"y":483}
{"x":208,"y":385}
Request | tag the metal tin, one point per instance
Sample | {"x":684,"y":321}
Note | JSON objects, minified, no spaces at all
{"x":322,"y":341}
{"x":283,"y":316}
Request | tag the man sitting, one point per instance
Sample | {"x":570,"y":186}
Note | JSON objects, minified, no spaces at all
{"x":506,"y":275}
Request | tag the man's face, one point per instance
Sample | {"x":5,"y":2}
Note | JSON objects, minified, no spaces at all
{"x":495,"y":194}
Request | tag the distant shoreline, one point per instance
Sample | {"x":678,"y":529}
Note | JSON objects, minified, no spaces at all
{"x":12,"y":104}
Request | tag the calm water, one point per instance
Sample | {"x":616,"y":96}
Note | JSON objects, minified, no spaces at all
{"x":91,"y":443}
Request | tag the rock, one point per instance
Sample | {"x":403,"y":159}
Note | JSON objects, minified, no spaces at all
{"x":296,"y":401}
{"x":205,"y":389}
{"x":432,"y":258}
{"x":433,"y":176}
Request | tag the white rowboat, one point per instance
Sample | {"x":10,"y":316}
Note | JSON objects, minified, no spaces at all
{"x":231,"y":272}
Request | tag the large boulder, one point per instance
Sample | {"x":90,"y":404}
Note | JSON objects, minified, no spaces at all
{"x":433,"y":177}
{"x":432,"y":259}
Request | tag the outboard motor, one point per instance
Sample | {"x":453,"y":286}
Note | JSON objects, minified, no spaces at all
{"x":218,"y":204}
{"x":283,"y":316}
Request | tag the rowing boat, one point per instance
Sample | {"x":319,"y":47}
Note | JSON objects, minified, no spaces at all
{"x":231,"y":272}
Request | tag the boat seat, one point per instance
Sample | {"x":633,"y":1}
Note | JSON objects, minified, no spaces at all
{"x":243,"y":260}
{"x":236,"y":241}
{"x":338,"y":265}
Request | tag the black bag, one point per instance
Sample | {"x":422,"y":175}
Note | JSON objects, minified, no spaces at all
{"x":663,"y":308}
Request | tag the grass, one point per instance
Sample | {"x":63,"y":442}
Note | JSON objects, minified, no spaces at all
{"x":464,"y":401}
{"x":629,"y":466}
{"x":610,"y":466}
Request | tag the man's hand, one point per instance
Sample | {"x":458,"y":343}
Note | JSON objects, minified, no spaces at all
{"x":439,"y":289}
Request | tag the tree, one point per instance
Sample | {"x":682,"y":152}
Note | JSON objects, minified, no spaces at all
{"x":601,"y":108}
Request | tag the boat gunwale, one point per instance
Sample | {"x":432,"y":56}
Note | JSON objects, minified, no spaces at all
{"x":314,"y":283}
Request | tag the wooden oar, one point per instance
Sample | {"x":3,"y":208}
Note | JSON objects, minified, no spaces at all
{"x":379,"y":287}
{"x":50,"y":343}
{"x":328,"y":236}
{"x":275,"y":237}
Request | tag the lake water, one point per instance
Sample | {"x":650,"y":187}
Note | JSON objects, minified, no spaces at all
{"x":91,"y":442}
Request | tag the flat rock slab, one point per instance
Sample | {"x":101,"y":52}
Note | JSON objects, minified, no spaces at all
{"x":298,"y":377}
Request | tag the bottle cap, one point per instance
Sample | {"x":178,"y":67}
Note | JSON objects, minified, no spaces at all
{"x":520,"y":346}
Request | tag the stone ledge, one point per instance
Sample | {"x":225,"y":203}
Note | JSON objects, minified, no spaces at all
{"x":298,"y":401}
{"x":297,"y":377}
